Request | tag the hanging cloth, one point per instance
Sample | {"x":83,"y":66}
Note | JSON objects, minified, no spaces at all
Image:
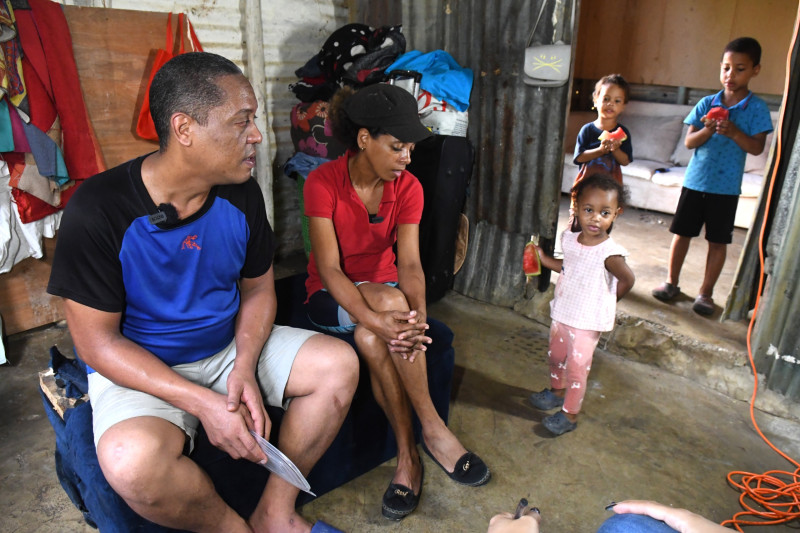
{"x":46,"y":41}
{"x":6,"y":128}
{"x":32,"y":209}
{"x":47,"y":154}
{"x":12,"y":82}
{"x":18,"y":132}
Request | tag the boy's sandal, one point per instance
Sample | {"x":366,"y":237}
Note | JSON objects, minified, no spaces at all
{"x":666,"y":291}
{"x":558,"y":424}
{"x":545,"y":400}
{"x":703,"y":305}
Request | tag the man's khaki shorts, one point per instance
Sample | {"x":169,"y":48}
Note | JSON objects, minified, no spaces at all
{"x":112,"y":404}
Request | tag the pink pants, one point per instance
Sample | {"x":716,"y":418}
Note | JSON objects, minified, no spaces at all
{"x":570,"y":357}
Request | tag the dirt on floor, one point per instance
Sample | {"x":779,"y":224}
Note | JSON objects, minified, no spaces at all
{"x":645,"y":431}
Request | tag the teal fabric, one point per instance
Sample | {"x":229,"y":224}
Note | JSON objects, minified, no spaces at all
{"x":47,"y":154}
{"x":6,"y":133}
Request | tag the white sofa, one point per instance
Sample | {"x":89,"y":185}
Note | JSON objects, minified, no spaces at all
{"x":657,"y":133}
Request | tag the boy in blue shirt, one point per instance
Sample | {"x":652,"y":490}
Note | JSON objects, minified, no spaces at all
{"x":713,"y":179}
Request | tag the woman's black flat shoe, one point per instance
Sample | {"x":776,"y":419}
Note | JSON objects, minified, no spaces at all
{"x":399,"y":501}
{"x":470,"y":469}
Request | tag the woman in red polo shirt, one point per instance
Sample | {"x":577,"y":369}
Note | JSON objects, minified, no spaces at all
{"x":359,"y":207}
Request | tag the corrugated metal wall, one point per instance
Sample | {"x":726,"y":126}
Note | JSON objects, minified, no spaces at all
{"x":776,"y":338}
{"x":776,"y":335}
{"x":776,"y":341}
{"x":293,"y":31}
{"x":517,"y":130}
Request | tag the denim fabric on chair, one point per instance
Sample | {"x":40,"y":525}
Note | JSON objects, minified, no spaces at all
{"x":634,"y":523}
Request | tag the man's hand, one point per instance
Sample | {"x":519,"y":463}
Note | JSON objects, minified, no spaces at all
{"x":243,"y":389}
{"x":229,"y":428}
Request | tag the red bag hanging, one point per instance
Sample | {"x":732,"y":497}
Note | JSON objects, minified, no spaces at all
{"x":144,"y":126}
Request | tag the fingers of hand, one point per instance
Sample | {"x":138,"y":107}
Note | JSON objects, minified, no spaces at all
{"x":234,"y":394}
{"x":239,"y":445}
{"x":254,"y":452}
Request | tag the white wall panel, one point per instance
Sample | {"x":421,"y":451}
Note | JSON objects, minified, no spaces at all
{"x":293,"y":32}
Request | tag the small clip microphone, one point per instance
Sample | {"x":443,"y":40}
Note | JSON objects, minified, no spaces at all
{"x":157,"y":218}
{"x":166,"y":213}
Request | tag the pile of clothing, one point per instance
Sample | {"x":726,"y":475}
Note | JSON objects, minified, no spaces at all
{"x":47,"y":144}
{"x":357,"y":55}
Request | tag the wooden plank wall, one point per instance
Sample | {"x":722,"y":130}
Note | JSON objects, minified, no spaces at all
{"x":114,"y":51}
{"x":680,"y":42}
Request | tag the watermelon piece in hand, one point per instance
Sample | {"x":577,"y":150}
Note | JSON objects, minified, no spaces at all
{"x":616,"y":135}
{"x":717,"y":113}
{"x":531,"y":264}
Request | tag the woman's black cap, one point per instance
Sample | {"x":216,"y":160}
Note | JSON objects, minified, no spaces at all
{"x":391,"y":108}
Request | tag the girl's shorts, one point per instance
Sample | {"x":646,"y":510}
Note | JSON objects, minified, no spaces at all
{"x":327,"y":315}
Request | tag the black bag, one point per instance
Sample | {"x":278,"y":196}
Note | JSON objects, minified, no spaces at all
{"x":443,"y":165}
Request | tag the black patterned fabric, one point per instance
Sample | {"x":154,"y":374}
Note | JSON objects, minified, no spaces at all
{"x":357,"y":54}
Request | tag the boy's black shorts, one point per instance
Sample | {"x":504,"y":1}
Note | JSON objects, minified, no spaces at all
{"x":716,"y":211}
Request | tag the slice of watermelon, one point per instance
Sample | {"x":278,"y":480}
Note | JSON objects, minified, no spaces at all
{"x":531,"y":264}
{"x":717,"y":113}
{"x":616,"y":135}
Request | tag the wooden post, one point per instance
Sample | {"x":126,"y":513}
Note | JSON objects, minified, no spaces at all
{"x":257,"y":75}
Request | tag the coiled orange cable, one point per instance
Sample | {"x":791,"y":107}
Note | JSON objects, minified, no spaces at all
{"x":774,"y":496}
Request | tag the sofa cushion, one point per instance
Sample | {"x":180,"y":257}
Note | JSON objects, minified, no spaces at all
{"x":752,"y":183}
{"x":642,"y":169}
{"x":681,"y":155}
{"x":673,"y":177}
{"x":653,"y":137}
{"x":757,"y":163}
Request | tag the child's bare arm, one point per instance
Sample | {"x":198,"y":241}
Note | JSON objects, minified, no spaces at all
{"x":752,"y":144}
{"x":697,"y":137}
{"x":621,"y":157}
{"x":548,"y":261}
{"x":606,"y":147}
{"x":594,"y":153}
{"x":619,"y":269}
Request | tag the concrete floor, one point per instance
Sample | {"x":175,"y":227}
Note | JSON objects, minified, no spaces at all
{"x":644,"y":432}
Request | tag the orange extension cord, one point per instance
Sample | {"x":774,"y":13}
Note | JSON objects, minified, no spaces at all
{"x":773,"y":497}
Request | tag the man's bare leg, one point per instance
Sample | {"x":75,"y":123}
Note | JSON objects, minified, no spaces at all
{"x":321,"y":384}
{"x":142,"y":459}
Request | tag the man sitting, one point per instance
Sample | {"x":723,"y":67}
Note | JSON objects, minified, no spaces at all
{"x":165,"y":264}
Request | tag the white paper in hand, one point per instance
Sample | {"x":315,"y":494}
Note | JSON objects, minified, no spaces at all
{"x":279,"y":464}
